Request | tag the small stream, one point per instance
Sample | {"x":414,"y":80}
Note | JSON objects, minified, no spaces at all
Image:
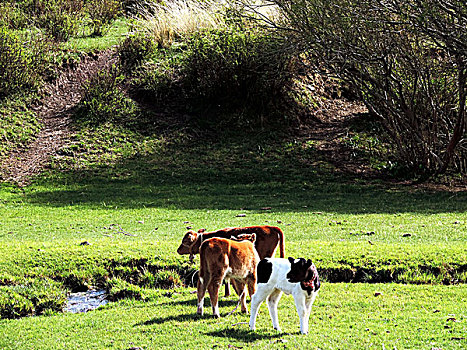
{"x":86,"y":301}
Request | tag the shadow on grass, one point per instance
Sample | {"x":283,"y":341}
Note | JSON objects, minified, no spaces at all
{"x":231,"y":332}
{"x":244,"y":335}
{"x":177,"y":318}
{"x":192,"y":316}
{"x":232,"y":173}
{"x":207,"y":304}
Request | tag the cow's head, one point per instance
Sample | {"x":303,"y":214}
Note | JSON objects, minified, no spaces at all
{"x":300,"y":270}
{"x":188,"y":241}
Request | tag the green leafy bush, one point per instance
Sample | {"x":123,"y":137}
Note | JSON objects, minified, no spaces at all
{"x":12,"y":16}
{"x":227,"y":77}
{"x":247,"y":72}
{"x":24,"y":61}
{"x":101,"y":14}
{"x":134,"y":50}
{"x":59,"y":18}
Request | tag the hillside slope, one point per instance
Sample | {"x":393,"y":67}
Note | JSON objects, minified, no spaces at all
{"x":53,"y":112}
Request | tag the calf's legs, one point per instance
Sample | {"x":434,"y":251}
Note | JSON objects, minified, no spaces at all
{"x":273,"y":301}
{"x":256,"y":301}
{"x":201,"y":291}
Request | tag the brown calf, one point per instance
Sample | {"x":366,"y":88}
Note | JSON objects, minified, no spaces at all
{"x":224,"y":258}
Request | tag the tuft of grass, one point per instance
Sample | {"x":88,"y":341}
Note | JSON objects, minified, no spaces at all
{"x":18,"y":124}
{"x":33,"y":297}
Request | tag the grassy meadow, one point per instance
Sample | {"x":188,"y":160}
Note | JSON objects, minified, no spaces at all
{"x":134,"y":211}
{"x":111,"y":208}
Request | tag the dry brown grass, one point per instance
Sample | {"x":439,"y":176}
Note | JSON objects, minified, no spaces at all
{"x":174,"y":19}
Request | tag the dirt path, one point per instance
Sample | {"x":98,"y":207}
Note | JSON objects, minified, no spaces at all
{"x":54,"y":113}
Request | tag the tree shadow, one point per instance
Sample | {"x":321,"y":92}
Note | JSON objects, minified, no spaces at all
{"x":235,"y":173}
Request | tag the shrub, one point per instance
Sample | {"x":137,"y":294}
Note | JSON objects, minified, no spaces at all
{"x":226,"y":77}
{"x":246,"y":73}
{"x":407,"y":60}
{"x":23,"y":61}
{"x":102,"y":13}
{"x":134,"y":50}
{"x":12,"y":16}
{"x":59,"y":18}
{"x":103,"y":101}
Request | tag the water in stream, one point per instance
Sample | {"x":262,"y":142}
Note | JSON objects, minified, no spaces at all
{"x":86,"y":301}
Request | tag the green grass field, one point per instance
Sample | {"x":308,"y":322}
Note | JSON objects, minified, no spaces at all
{"x":344,"y":316}
{"x":134,"y":210}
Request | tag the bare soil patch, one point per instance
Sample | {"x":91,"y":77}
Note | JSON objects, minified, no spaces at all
{"x":54,"y":112}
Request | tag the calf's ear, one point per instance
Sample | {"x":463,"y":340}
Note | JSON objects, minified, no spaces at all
{"x":291,"y":260}
{"x":309,"y":263}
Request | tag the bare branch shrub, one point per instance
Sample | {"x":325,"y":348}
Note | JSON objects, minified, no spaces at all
{"x":408,"y":61}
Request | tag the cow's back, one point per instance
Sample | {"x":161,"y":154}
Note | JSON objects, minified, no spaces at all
{"x":267,"y":238}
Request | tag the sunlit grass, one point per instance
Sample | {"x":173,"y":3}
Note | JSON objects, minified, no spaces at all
{"x":350,"y":316}
{"x":114,"y":35}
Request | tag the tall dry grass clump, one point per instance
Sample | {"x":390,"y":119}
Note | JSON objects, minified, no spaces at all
{"x":175,"y":19}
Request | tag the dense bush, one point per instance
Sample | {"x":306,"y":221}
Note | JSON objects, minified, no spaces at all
{"x":408,"y":62}
{"x":23,"y":61}
{"x":225,"y":76}
{"x":245,"y":72}
{"x":63,"y":19}
{"x":12,"y":16}
{"x":59,"y":18}
{"x":134,"y":50}
{"x":102,"y":14}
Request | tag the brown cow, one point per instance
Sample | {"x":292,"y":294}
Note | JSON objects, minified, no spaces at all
{"x":224,"y":258}
{"x":267,"y":239}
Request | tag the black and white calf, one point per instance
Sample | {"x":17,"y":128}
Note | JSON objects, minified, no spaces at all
{"x":298,"y":277}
